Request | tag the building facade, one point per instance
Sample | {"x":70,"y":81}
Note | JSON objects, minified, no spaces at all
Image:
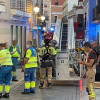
{"x":96,"y":19}
{"x":65,"y":12}
{"x":47,"y":12}
{"x":56,"y":11}
{"x":52,"y":9}
{"x":91,"y":30}
{"x":37,"y":35}
{"x":16,"y":22}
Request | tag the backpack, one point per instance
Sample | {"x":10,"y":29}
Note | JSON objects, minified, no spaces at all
{"x":47,"y":56}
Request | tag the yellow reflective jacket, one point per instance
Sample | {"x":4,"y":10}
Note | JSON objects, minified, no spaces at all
{"x":32,"y":56}
{"x":5,"y":57}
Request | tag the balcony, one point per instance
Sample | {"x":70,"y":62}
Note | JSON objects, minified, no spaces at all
{"x":96,"y":14}
{"x":72,"y":13}
{"x":2,"y":7}
{"x":18,"y":11}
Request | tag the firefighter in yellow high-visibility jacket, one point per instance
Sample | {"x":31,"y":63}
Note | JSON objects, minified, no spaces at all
{"x":47,"y":53}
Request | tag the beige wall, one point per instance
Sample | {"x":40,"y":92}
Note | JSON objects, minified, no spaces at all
{"x":48,"y":10}
{"x":5,"y":32}
{"x":6,"y":15}
{"x":5,"y":25}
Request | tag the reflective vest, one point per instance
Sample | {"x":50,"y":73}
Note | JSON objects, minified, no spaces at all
{"x":57,"y":49}
{"x":5,"y":57}
{"x":32,"y":56}
{"x":51,"y":50}
{"x":12,"y":49}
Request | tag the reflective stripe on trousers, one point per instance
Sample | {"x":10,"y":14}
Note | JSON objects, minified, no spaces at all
{"x":1,"y":89}
{"x":32,"y":84}
{"x":90,"y":78}
{"x":14,"y":74}
{"x":29,"y":85}
{"x":7,"y":88}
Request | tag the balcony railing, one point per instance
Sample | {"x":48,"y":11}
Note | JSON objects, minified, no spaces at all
{"x":96,"y":12}
{"x":72,"y":13}
{"x":18,"y":4}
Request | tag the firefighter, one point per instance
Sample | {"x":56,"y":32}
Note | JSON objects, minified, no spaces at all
{"x":54,"y":42}
{"x":30,"y":62}
{"x":5,"y":70}
{"x":15,"y":51}
{"x":90,"y":74}
{"x":47,"y":53}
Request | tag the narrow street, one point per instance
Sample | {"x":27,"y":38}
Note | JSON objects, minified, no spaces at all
{"x":56,"y":93}
{"x":59,"y":39}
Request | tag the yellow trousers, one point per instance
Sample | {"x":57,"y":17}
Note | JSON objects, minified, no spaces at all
{"x":90,"y":78}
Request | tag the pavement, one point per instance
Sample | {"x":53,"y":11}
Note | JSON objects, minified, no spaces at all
{"x":56,"y":93}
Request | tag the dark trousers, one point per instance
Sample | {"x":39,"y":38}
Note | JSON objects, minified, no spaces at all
{"x":97,"y":76}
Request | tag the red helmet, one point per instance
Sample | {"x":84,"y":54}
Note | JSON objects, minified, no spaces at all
{"x":47,"y":37}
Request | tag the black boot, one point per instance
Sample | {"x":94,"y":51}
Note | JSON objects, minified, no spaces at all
{"x":0,"y":95}
{"x":14,"y":80}
{"x":25,"y":92}
{"x":49,"y":85}
{"x":41,"y":85}
{"x":6,"y":95}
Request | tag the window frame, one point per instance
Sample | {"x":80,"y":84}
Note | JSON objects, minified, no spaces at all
{"x":56,"y":19}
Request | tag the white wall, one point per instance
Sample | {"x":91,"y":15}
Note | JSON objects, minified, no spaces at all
{"x":57,"y":31}
{"x":5,"y":32}
{"x":71,"y":34}
{"x":71,"y":3}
